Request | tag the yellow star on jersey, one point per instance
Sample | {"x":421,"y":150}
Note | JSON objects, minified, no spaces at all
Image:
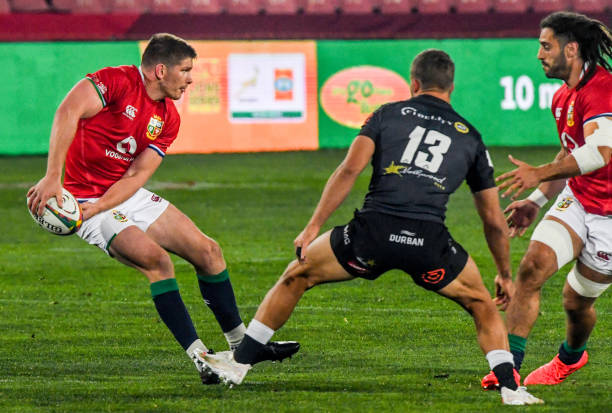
{"x":394,"y":169}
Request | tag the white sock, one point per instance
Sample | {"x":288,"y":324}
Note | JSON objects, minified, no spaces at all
{"x":497,"y":357}
{"x":235,"y":336}
{"x":259,"y":332}
{"x":195,"y":346}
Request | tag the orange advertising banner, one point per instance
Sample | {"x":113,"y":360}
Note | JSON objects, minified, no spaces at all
{"x":250,"y":97}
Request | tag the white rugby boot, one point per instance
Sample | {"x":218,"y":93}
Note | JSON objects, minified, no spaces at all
{"x":518,"y":397}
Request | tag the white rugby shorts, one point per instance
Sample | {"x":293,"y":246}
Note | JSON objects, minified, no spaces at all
{"x":595,"y":231}
{"x":141,"y":209}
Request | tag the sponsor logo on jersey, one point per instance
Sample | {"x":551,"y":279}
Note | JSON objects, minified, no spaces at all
{"x":558,"y":113}
{"x":570,"y":114}
{"x":603,"y":255}
{"x":154,"y":127}
{"x":407,"y":238}
{"x":461,"y":127}
{"x":402,"y":170}
{"x":409,"y":110}
{"x":125,"y":148}
{"x":564,"y":204}
{"x":119,"y":216}
{"x":394,"y":169}
{"x":130,"y":112}
{"x":433,"y":276}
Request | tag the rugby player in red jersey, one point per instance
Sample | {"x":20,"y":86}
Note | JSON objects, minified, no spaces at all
{"x":578,"y":226}
{"x":111,"y":132}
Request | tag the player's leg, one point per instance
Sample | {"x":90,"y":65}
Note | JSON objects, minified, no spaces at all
{"x":469,"y":291}
{"x":133,"y":247}
{"x":321,"y":266}
{"x":581,"y":289}
{"x":554,"y":243}
{"x":175,"y":232}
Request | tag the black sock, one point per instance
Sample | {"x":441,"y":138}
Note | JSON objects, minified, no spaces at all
{"x":518,"y":358}
{"x":218,"y":294}
{"x":568,"y":355}
{"x":505,"y":375}
{"x":172,"y":311}
{"x":247,"y":350}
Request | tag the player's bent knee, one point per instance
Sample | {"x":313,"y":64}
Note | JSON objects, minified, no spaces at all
{"x":583,"y":286}
{"x":554,"y":235}
{"x":298,"y":276}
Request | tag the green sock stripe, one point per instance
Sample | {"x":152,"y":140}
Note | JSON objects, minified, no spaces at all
{"x":163,"y":286}
{"x":517,"y":343}
{"x":222,"y":276}
{"x":573,"y":350}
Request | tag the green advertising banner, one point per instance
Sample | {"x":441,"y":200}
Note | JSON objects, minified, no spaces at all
{"x":37,"y":76}
{"x":499,"y":86}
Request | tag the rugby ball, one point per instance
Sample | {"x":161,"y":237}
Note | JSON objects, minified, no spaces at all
{"x":61,"y":221}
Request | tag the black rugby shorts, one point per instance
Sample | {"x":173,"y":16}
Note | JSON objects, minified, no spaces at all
{"x":374,"y":243}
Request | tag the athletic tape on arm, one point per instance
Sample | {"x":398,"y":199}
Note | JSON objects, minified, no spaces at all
{"x":588,"y":156}
{"x":557,"y":237}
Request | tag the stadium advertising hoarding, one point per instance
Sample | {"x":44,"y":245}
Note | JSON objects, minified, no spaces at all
{"x":288,"y":95}
{"x":250,"y":97}
{"x":499,"y":86}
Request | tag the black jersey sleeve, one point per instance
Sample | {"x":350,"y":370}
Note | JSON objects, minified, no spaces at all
{"x":372,"y":125}
{"x":480,"y":175}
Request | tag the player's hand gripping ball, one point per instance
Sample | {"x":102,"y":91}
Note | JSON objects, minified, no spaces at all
{"x":61,"y":221}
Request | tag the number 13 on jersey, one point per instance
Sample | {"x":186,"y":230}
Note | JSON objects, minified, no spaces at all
{"x":438,"y":143}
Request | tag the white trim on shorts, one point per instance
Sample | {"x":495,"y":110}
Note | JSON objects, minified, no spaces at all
{"x":141,"y":209}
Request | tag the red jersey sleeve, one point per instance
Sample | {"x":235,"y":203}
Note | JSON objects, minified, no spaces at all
{"x":111,"y":83}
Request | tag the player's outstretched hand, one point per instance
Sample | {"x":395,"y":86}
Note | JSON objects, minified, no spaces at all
{"x":521,"y":214}
{"x":519,"y":179}
{"x":303,"y":240}
{"x":504,"y":291}
{"x":40,"y":193}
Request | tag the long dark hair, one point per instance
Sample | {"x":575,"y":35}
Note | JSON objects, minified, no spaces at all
{"x":593,"y":38}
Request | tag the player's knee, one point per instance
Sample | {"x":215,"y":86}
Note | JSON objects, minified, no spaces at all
{"x":297,"y":276}
{"x":158,"y":261}
{"x":532,"y":274}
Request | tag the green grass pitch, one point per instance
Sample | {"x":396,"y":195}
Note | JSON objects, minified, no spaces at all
{"x":79,"y":332}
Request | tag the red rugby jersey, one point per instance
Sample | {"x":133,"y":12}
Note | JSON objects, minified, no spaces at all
{"x":105,"y":145}
{"x":572,"y":109}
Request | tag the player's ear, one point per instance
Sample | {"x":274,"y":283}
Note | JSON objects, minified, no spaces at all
{"x":160,"y":71}
{"x":415,"y":86}
{"x":571,"y":50}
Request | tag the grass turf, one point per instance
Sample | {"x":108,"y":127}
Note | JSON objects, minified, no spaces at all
{"x":79,"y":332}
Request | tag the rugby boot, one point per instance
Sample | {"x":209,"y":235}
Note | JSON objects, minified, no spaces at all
{"x":277,"y":351}
{"x":518,"y":397}
{"x":206,"y":373}
{"x":489,"y":382}
{"x":555,"y":371}
{"x":223,"y":365}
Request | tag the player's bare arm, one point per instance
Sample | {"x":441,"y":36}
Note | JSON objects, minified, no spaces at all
{"x":80,"y":103}
{"x":134,"y":178}
{"x":521,"y":214}
{"x":496,"y":233}
{"x":589,"y":157}
{"x":336,"y":190}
